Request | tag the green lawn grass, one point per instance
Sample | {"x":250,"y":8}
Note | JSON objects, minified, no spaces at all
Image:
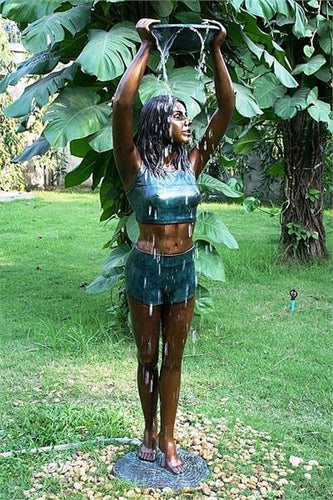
{"x":68,"y":374}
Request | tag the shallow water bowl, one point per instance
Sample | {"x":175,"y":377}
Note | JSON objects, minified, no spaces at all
{"x":184,"y":38}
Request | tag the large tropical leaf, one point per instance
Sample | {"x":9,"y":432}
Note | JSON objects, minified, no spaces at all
{"x":192,"y":4}
{"x":45,"y":32}
{"x":311,"y":66}
{"x":80,"y":147}
{"x":182,"y":83}
{"x":99,"y":172}
{"x":254,"y":32}
{"x":280,"y":71}
{"x":207,"y":181}
{"x":37,"y":148}
{"x":208,"y":262}
{"x":38,"y":64}
{"x":245,"y":144}
{"x":39,"y":92}
{"x":260,"y":8}
{"x":199,"y":124}
{"x":111,"y":186}
{"x":325,"y":36}
{"x":117,"y":258}
{"x":299,"y":28}
{"x":250,"y":204}
{"x":266,"y":89}
{"x":85,"y":169}
{"x":283,"y":75}
{"x":27,"y":11}
{"x":108,"y":53}
{"x":132,"y":228}
{"x":71,"y":47}
{"x":209,"y":227}
{"x":236,"y":4}
{"x":102,"y":284}
{"x":75,"y":114}
{"x":203,"y":300}
{"x":163,"y":8}
{"x":281,"y":6}
{"x":246,"y":104}
{"x":287,"y":106}
{"x":320,"y":111}
{"x":324,"y":73}
{"x":254,"y":48}
{"x":111,"y":190}
{"x":102,"y":140}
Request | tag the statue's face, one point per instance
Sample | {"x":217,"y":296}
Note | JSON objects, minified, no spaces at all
{"x":179,"y":124}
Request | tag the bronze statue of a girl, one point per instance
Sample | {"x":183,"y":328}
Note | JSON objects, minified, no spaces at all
{"x":159,"y":175}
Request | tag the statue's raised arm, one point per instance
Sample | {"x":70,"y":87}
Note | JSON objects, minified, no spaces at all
{"x":218,"y":124}
{"x":126,"y":154}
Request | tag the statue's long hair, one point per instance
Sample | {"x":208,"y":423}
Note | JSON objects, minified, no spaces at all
{"x":153,"y":137}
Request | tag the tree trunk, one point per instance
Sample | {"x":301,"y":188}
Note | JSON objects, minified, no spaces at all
{"x":303,"y":234}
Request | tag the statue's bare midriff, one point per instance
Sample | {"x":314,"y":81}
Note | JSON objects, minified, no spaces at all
{"x":165,"y":238}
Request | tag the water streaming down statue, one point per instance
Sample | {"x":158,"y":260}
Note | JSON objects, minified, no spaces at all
{"x":159,"y":175}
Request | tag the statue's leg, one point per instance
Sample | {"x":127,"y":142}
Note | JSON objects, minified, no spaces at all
{"x":176,"y":320}
{"x":146,"y":322}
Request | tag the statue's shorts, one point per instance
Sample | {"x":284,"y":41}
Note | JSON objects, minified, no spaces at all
{"x":155,"y":279}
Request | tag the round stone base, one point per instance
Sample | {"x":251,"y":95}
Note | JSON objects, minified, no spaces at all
{"x":154,"y":475}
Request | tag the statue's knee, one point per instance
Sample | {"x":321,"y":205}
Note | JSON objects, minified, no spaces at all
{"x":147,"y":363}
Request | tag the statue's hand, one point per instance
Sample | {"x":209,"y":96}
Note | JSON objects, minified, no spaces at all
{"x":143,"y":28}
{"x":220,"y":35}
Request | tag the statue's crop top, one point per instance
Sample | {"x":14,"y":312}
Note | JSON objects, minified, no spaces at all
{"x":170,"y":199}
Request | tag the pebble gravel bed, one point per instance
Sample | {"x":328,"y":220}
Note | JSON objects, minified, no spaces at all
{"x":245,"y":465}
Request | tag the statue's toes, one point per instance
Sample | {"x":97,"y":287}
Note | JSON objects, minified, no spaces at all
{"x":180,"y":469}
{"x":175,"y":468}
{"x":147,"y":454}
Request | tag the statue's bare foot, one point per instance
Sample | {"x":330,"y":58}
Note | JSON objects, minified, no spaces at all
{"x":172,"y":462}
{"x":147,"y":450}
{"x":146,"y":453}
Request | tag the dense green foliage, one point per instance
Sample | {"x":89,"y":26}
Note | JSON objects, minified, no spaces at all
{"x":10,"y":142}
{"x":98,"y":39}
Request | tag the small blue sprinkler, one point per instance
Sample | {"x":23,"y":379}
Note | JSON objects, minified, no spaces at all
{"x":292,"y":304}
